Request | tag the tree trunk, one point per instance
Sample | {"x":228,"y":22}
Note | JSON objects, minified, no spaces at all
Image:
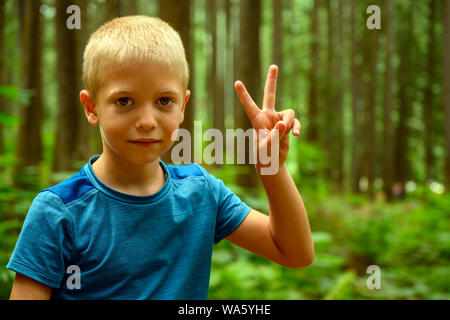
{"x":215,"y":69}
{"x":85,"y":131}
{"x":29,"y":139}
{"x":219,"y":92}
{"x":211,"y":67}
{"x":402,"y":166}
{"x":355,"y":71}
{"x":329,"y":111}
{"x":313,"y":96}
{"x":371,"y":111}
{"x":68,"y":121}
{"x":428,"y":105}
{"x":249,"y":72}
{"x":446,"y":88}
{"x":177,"y":14}
{"x":277,"y":45}
{"x":2,"y":73}
{"x":388,"y":130}
{"x":112,"y":9}
{"x":339,"y":145}
{"x":130,"y":7}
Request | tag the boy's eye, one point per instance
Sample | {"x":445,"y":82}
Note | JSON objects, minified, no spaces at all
{"x":165,"y":101}
{"x":123,"y":102}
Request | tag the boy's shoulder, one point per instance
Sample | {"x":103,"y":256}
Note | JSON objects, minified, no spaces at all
{"x":79,"y":184}
{"x":72,"y":188}
{"x":179,"y":172}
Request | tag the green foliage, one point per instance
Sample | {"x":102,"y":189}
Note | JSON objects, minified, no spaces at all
{"x":311,"y":164}
{"x":343,"y":289}
{"x":16,"y":94}
{"x":408,"y":240}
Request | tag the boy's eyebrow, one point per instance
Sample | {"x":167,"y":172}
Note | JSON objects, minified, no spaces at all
{"x":125,"y":91}
{"x":119,"y":91}
{"x":168,"y":91}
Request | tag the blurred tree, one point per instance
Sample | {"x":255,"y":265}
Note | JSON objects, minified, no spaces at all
{"x":446,"y":87}
{"x":215,"y":85}
{"x":277,"y":48}
{"x":356,"y":83}
{"x":211,"y":65}
{"x":370,"y":53}
{"x":85,"y":131}
{"x":29,"y":136}
{"x":313,"y":96}
{"x":402,"y":166}
{"x":428,"y":105}
{"x":2,"y":73}
{"x":339,"y":147}
{"x":249,"y":72}
{"x":112,"y":9}
{"x":178,"y":14}
{"x":388,"y":129}
{"x":130,"y":7}
{"x":333,"y":112}
{"x":68,"y":127}
{"x":329,"y":112}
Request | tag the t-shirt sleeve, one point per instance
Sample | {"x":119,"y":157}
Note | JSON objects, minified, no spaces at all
{"x":44,"y":241}
{"x":231,"y":210}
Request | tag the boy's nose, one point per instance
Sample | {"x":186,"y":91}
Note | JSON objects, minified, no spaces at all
{"x":146,"y":119}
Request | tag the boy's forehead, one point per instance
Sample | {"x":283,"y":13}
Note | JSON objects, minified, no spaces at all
{"x":131,"y":76}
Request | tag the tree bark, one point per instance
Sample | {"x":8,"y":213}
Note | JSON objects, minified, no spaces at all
{"x":65,"y":150}
{"x":249,"y":72}
{"x":446,"y":88}
{"x":428,"y":105}
{"x":356,"y":168}
{"x":29,"y":139}
{"x":277,"y":47}
{"x":2,"y":73}
{"x":388,"y":130}
{"x":177,"y":14}
{"x":329,"y":111}
{"x":339,"y":146}
{"x":313,"y":96}
{"x":371,"y":111}
{"x":402,"y":165}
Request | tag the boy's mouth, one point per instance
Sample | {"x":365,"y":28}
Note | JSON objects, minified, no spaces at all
{"x":145,"y":143}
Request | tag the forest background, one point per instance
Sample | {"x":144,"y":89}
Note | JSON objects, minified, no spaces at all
{"x":372,"y":162}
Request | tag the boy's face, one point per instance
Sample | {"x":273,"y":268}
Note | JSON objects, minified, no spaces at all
{"x":137,"y":101}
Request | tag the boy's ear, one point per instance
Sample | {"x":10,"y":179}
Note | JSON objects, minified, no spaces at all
{"x":89,"y":107}
{"x":186,"y":98}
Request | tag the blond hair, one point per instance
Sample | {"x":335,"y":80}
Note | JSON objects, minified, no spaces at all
{"x":139,"y":38}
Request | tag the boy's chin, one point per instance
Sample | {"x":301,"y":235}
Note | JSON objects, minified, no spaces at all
{"x":141,"y":158}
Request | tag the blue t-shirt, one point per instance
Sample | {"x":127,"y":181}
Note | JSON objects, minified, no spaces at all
{"x":126,"y":246}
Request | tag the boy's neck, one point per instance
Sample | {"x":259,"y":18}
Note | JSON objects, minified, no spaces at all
{"x":123,"y":176}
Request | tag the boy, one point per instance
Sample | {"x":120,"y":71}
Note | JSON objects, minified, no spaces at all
{"x":132,"y":226}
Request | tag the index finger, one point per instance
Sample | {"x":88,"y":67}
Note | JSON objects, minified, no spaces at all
{"x":270,"y":88}
{"x":246,"y":100}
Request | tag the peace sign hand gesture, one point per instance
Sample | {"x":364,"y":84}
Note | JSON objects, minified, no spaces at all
{"x":268,"y":123}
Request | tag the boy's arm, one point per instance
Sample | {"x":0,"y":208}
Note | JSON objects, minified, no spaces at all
{"x":285,"y":235}
{"x":25,"y":288}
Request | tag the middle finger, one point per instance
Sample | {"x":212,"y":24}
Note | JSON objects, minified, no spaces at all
{"x":270,"y":88}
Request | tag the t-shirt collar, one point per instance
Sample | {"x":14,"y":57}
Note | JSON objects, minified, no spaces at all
{"x":125,"y":197}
